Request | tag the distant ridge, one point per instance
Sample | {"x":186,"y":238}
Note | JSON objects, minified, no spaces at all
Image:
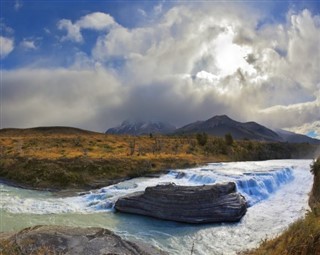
{"x":296,"y":138}
{"x":221,"y":124}
{"x":45,"y":130}
{"x":218,"y":126}
{"x":137,"y":127}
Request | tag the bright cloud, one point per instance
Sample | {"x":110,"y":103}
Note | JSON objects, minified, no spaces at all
{"x":94,"y":21}
{"x":7,"y":46}
{"x":230,"y":56}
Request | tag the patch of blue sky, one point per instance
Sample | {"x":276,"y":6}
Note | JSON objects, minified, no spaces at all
{"x":36,"y":20}
{"x":276,"y":10}
{"x":312,"y":134}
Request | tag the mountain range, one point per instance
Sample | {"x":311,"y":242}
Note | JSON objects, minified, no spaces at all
{"x":218,"y":126}
{"x":138,"y":127}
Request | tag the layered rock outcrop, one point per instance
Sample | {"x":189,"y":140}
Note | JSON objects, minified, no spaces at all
{"x":189,"y":204}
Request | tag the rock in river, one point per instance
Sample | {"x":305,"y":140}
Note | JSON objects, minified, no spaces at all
{"x":73,"y":241}
{"x":190,"y":204}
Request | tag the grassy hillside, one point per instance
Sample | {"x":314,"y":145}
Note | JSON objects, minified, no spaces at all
{"x":303,"y":236}
{"x":62,"y":157}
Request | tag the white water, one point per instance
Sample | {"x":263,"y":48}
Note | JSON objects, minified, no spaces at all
{"x":277,"y":192}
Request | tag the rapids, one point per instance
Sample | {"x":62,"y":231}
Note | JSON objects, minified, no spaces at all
{"x":276,"y":190}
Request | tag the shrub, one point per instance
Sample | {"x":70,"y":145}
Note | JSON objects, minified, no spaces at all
{"x":315,"y":167}
{"x":228,"y":139}
{"x":202,"y":138}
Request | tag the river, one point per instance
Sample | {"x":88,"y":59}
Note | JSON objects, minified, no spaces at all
{"x":276,"y":190}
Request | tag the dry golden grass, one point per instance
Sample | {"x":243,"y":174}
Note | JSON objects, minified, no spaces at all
{"x":92,"y":145}
{"x":61,"y":157}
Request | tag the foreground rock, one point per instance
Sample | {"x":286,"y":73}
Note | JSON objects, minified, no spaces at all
{"x":190,"y":204}
{"x":72,"y":241}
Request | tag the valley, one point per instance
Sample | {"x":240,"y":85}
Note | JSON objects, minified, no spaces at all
{"x":58,"y":158}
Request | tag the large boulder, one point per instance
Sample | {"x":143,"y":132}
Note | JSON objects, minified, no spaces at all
{"x":190,"y":204}
{"x":72,"y":241}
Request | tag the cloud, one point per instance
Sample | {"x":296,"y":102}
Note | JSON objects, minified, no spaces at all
{"x":47,"y":31}
{"x":7,"y":46}
{"x":95,"y":21}
{"x":142,"y":12}
{"x":158,"y":9}
{"x":28,"y":44}
{"x":291,"y":115}
{"x":311,"y":129}
{"x":191,"y":64}
{"x":40,"y":97}
{"x":73,"y":31}
{"x":6,"y":30}
{"x":151,"y":15}
{"x":18,"y":5}
{"x":182,"y":40}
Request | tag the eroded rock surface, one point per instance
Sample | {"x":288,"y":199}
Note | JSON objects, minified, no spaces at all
{"x":190,"y":204}
{"x":76,"y":241}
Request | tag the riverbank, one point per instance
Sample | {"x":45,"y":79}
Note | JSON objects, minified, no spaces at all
{"x":58,"y":158}
{"x":303,"y":236}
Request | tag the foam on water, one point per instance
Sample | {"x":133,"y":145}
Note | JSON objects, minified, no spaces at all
{"x":255,"y":186}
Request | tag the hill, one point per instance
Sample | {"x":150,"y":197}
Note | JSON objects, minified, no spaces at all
{"x":222,"y":124}
{"x":45,"y":131}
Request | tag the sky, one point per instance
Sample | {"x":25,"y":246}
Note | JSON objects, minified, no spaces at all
{"x":92,"y":64}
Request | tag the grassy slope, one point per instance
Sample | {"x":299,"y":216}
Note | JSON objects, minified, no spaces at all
{"x":303,"y":236}
{"x":61,"y":157}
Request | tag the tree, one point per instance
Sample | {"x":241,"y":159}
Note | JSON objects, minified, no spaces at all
{"x":315,"y":167}
{"x":157,"y":146}
{"x":228,"y":139}
{"x":132,"y":145}
{"x":202,"y":138}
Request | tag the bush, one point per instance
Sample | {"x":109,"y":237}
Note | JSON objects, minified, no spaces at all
{"x":216,"y":147}
{"x":228,"y":139}
{"x":202,"y":138}
{"x":314,"y":200}
{"x":315,"y":167}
